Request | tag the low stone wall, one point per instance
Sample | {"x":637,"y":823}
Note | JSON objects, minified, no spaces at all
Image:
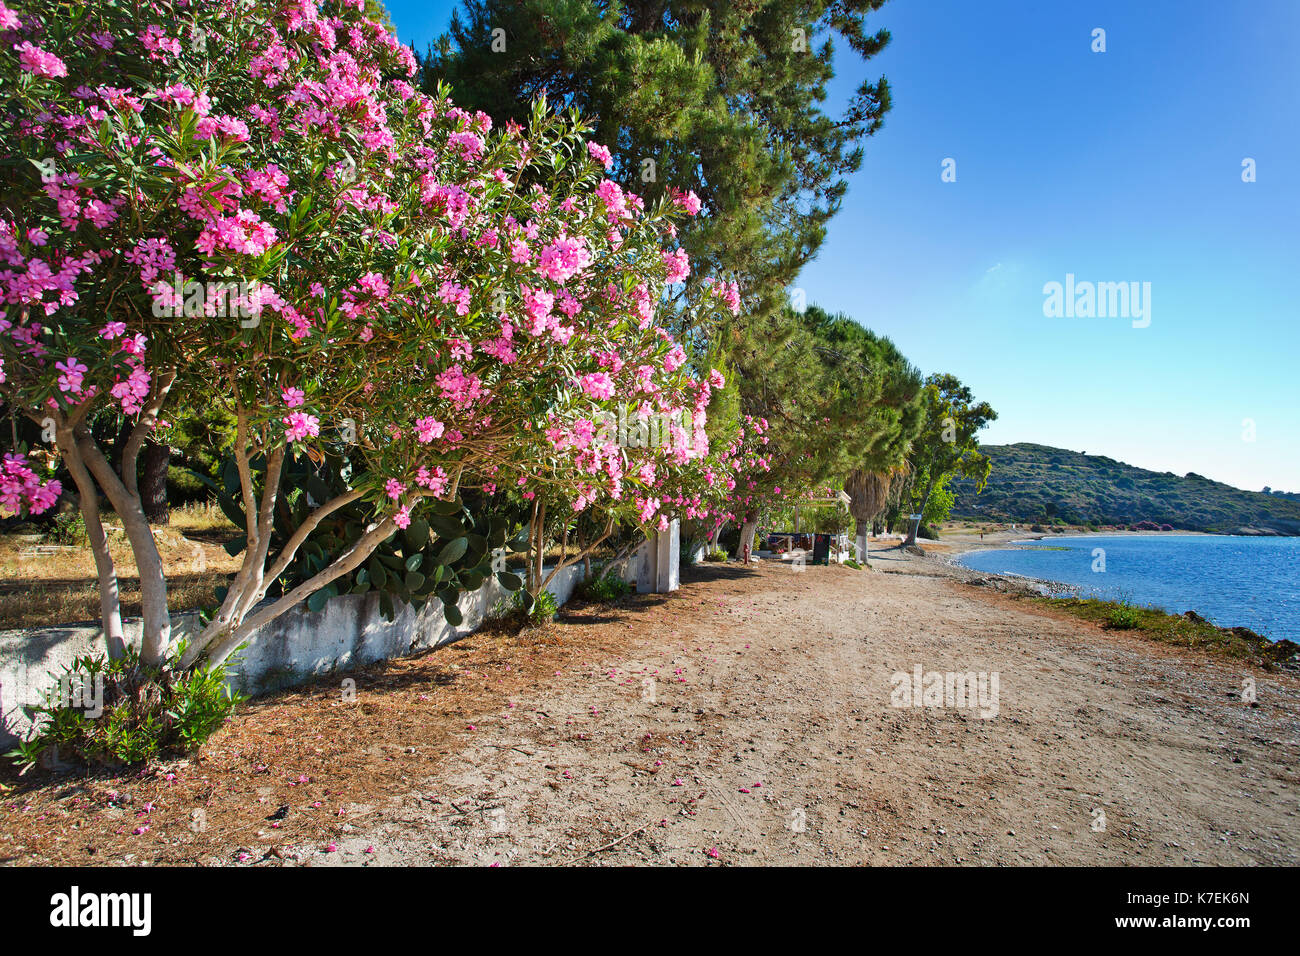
{"x":350,"y":631}
{"x":298,"y":647}
{"x":29,"y":656}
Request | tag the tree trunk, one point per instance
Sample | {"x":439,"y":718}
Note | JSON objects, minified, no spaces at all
{"x":747,"y":531}
{"x":156,"y":627}
{"x":153,"y":483}
{"x":911,"y":531}
{"x":531,"y":577}
{"x":110,"y":607}
{"x":349,"y":561}
{"x":868,"y":492}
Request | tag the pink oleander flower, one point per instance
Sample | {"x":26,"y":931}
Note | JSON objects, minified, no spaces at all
{"x":435,"y":480}
{"x":428,"y":428}
{"x":157,"y":42}
{"x":72,"y":374}
{"x":675,"y":358}
{"x":20,"y":487}
{"x":301,"y":425}
{"x":598,"y":385}
{"x":221,"y":127}
{"x":37,"y":61}
{"x":293,"y":397}
{"x":600,"y":154}
{"x":678,"y":264}
{"x":375,"y":284}
{"x":469,"y":144}
{"x":563,"y":259}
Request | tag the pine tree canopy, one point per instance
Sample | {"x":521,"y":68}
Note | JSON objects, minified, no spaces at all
{"x":721,"y":97}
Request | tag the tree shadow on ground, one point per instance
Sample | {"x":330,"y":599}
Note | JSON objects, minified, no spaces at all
{"x":716,"y":571}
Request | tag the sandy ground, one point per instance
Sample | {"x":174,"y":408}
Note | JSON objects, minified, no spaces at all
{"x":748,"y":720}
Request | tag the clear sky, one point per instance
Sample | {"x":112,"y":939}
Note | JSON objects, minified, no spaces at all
{"x":1122,"y":166}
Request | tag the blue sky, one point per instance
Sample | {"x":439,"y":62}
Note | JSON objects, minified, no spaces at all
{"x":1122,"y":166}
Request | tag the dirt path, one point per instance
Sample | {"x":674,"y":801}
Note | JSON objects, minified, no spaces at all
{"x":750,"y":717}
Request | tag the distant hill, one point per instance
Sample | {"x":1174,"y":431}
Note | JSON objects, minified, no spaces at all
{"x":1040,"y":484}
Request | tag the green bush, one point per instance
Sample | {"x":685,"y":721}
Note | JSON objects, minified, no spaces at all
{"x":544,"y":606}
{"x":183,"y":487}
{"x":69,"y":527}
{"x":717,"y":554}
{"x":136,"y":713}
{"x":1123,"y":616}
{"x":604,"y":588}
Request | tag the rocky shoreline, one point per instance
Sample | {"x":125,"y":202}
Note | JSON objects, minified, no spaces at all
{"x":1283,"y":652}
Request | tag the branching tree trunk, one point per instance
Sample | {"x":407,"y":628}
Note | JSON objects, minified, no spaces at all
{"x":717,"y":534}
{"x":585,"y":553}
{"x":123,"y":494}
{"x":239,"y":616}
{"x":110,"y":600}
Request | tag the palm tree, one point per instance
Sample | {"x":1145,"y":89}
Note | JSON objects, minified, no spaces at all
{"x":868,"y":492}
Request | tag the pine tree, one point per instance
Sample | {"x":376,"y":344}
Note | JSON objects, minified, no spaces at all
{"x":836,"y":396}
{"x":721,"y":97}
{"x":947,"y":443}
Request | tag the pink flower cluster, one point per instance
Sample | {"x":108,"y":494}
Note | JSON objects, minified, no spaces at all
{"x":729,"y":292}
{"x":574,"y":274}
{"x":300,"y":425}
{"x":21,"y":488}
{"x":563,"y":259}
{"x":688,"y":201}
{"x":244,"y":233}
{"x":678,"y":264}
{"x":37,"y":61}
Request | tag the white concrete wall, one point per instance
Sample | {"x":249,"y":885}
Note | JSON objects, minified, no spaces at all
{"x":297,"y":647}
{"x":28,"y":656}
{"x":300,"y":646}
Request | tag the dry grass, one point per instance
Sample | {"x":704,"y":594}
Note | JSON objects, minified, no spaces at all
{"x":43,"y":583}
{"x":203,"y":517}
